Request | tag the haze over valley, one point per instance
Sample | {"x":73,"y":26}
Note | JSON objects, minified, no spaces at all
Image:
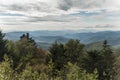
{"x":45,"y":38}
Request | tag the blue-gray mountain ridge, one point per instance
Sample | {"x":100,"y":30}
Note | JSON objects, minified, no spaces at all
{"x":45,"y":38}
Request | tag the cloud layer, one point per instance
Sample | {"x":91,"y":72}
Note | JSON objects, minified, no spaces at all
{"x":59,"y":14}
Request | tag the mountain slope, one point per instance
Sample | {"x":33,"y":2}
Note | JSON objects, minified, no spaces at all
{"x":46,"y":38}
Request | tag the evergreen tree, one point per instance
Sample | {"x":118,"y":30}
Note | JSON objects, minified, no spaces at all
{"x":3,"y":49}
{"x":102,"y":60}
{"x":74,"y":51}
{"x":28,"y":38}
{"x":108,"y":62}
{"x":25,"y":51}
{"x":22,"y":51}
{"x":58,"y":55}
{"x":92,"y":61}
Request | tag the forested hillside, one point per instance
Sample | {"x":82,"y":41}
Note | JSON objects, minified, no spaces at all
{"x":44,"y":39}
{"x":22,"y":59}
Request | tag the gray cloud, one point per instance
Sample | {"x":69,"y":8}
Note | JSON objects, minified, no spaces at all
{"x":62,"y":18}
{"x":72,"y":12}
{"x":81,"y":4}
{"x":39,"y":6}
{"x":104,"y":26}
{"x":65,"y":4}
{"x":50,"y":8}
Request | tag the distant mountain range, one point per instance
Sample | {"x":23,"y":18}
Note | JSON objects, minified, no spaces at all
{"x":46,"y":38}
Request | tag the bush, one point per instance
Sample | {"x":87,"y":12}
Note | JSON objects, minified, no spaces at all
{"x":73,"y":73}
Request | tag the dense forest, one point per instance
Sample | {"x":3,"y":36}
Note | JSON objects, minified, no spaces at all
{"x":24,"y":60}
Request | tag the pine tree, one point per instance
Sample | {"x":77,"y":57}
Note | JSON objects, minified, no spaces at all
{"x":108,"y":61}
{"x":92,"y":61}
{"x":102,"y":60}
{"x":58,"y":55}
{"x":22,"y":51}
{"x":74,"y":51}
{"x":3,"y":49}
{"x":28,"y":38}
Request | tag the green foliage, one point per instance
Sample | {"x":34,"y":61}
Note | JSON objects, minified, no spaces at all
{"x":28,"y":74}
{"x":75,"y":73}
{"x":108,"y":61}
{"x":25,"y":51}
{"x":28,"y":38}
{"x":103,"y":60}
{"x":117,"y":68}
{"x":64,"y":62}
{"x":58,"y":55}
{"x":72,"y":52}
{"x":3,"y":48}
{"x":21,"y":52}
{"x":6,"y":70}
{"x":92,"y":61}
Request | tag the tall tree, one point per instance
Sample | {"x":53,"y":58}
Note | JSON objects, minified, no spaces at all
{"x":92,"y":61}
{"x":25,"y":51}
{"x":22,"y":51}
{"x":74,"y":51}
{"x":58,"y":55}
{"x":102,"y":60}
{"x":28,"y":38}
{"x":3,"y":49}
{"x":108,"y":61}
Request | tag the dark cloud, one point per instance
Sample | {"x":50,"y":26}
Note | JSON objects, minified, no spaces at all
{"x":65,"y":4}
{"x":82,"y":4}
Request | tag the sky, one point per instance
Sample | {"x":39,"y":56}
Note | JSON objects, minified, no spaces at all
{"x":30,"y":15}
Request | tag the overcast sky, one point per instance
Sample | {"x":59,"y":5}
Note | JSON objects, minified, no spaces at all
{"x":59,"y":14}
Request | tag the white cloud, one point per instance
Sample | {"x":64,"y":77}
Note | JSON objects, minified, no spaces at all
{"x":55,"y":14}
